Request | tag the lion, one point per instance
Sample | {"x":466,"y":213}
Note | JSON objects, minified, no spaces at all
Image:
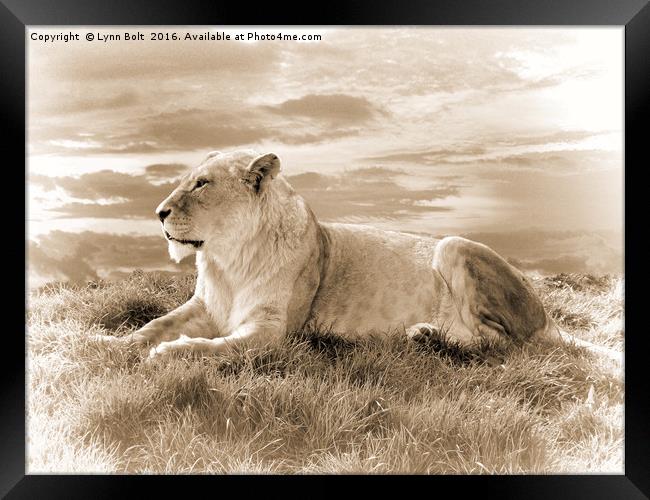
{"x":267,"y":267}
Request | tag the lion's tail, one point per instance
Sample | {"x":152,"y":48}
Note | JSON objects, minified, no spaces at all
{"x":555,"y":334}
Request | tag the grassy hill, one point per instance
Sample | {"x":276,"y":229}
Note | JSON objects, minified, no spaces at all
{"x":318,"y":403}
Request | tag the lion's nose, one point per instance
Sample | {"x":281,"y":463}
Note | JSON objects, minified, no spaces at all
{"x":162,"y":214}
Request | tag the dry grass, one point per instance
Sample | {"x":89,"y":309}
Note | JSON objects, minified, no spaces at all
{"x":317,"y":403}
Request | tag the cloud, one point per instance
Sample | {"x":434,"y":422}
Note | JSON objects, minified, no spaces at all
{"x":428,"y":157}
{"x":551,"y":252}
{"x":568,"y":136}
{"x":86,"y":103}
{"x":318,"y":136}
{"x":367,"y":194}
{"x":155,"y":60}
{"x":122,"y":194}
{"x":557,"y":162}
{"x":506,"y":150}
{"x":165,"y":170}
{"x":69,"y":266}
{"x":181,"y":129}
{"x":79,"y":257}
{"x":329,"y":117}
{"x":566,"y":264}
{"x":101,"y":184}
{"x":197,"y":128}
{"x":163,"y":96}
{"x":333,"y":108}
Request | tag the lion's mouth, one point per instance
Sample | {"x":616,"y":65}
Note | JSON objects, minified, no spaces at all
{"x":194,"y":243}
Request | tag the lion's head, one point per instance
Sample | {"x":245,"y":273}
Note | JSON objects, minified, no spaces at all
{"x":216,"y":200}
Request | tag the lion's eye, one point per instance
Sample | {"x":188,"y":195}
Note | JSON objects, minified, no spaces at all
{"x":200,"y":183}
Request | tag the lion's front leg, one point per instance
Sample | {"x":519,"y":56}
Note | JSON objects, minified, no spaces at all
{"x":190,"y":320}
{"x":252,"y":333}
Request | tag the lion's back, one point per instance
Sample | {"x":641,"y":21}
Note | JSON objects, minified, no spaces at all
{"x":374,"y":279}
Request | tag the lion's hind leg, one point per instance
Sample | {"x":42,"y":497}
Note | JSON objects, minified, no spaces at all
{"x":421,"y":331}
{"x":483,"y":296}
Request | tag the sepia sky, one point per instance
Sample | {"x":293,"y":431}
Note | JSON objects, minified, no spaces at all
{"x":509,"y":136}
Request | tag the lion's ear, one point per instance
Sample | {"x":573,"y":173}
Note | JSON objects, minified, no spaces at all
{"x":261,"y":171}
{"x":212,"y":154}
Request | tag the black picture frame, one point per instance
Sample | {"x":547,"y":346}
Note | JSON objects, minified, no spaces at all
{"x":16,"y":15}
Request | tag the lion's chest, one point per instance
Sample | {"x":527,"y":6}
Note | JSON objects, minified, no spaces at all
{"x":219,"y":305}
{"x":218,"y":293}
{"x":228,"y":306}
{"x":233,"y":299}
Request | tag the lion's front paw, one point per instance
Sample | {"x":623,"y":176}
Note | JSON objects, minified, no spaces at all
{"x":160,"y":351}
{"x":108,"y":339}
{"x":105,"y":339}
{"x":184,"y":344}
{"x":166,"y":349}
{"x":142,"y":336}
{"x":128,"y":339}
